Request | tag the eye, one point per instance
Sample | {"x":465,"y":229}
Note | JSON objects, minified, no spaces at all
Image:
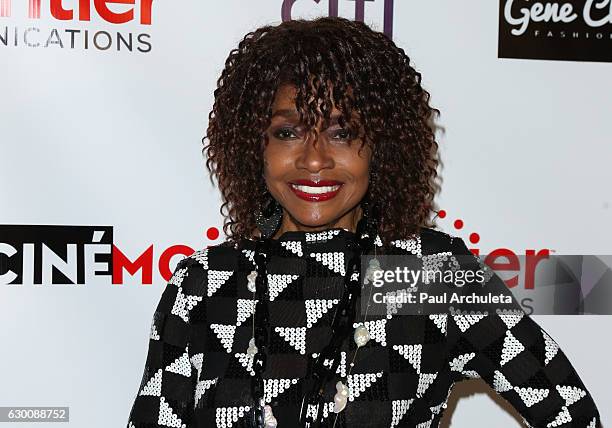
{"x":342,"y":134}
{"x":284,"y":133}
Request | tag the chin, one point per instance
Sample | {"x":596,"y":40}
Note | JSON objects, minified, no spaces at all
{"x":312,"y":221}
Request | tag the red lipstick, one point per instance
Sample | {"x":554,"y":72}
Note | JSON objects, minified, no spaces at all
{"x":315,"y":191}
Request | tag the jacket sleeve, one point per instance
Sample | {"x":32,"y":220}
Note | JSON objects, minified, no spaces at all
{"x":166,"y":394}
{"x":517,"y":358}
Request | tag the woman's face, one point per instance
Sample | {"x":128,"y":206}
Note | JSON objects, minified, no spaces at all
{"x":318,"y":182}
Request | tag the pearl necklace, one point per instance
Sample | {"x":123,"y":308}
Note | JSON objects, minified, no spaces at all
{"x":361,"y":336}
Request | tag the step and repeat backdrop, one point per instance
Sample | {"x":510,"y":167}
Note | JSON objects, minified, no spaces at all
{"x":103,"y":188}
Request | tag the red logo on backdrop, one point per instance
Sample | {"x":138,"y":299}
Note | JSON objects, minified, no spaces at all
{"x":510,"y":261}
{"x":67,"y":255}
{"x":84,"y":13}
{"x":83,"y":10}
{"x":145,"y":262}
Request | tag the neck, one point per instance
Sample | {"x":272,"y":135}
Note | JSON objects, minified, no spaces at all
{"x":348,"y":221}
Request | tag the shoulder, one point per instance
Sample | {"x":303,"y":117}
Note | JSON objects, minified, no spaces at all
{"x":431,"y":241}
{"x":194,"y":275}
{"x":218,"y":260}
{"x":438,"y":241}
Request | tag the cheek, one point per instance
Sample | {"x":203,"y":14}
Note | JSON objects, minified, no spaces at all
{"x":277,"y":162}
{"x":358,"y":165}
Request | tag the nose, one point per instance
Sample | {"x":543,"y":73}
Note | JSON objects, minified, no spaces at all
{"x":315,"y":154}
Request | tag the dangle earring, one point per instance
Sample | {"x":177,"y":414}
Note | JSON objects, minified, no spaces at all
{"x":370,"y":208}
{"x":268,"y":221}
{"x":268,"y":218}
{"x":371,"y":212}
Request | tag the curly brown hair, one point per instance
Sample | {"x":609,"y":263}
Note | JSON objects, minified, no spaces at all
{"x":370,"y":75}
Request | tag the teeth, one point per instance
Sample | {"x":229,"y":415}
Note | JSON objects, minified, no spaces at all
{"x":316,"y":190}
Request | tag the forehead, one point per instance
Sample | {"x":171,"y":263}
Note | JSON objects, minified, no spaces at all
{"x":284,"y":101}
{"x":285,"y":97}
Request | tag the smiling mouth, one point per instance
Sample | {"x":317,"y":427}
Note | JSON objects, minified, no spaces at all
{"x":315,"y":192}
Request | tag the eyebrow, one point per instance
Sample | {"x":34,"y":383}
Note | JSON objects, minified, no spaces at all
{"x":292,"y":113}
{"x":285,"y":113}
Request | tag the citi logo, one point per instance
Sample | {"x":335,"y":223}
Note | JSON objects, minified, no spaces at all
{"x":333,"y":10}
{"x":82,"y":10}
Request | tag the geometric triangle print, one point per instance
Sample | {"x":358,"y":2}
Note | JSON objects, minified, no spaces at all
{"x":154,"y":335}
{"x":274,"y":387}
{"x":313,"y":410}
{"x":563,"y":417}
{"x":202,"y":387}
{"x":278,"y":282}
{"x":377,"y":330}
{"x":570,"y":394}
{"x":500,"y":383}
{"x":434,"y":261}
{"x":531,"y":396}
{"x":227,"y":416}
{"x":295,"y":336}
{"x":413,"y":245}
{"x":216,"y":278}
{"x":412,"y":353}
{"x":202,"y":257}
{"x":279,"y":345}
{"x":181,"y":365}
{"x":250,"y":255}
{"x":332,"y":260}
{"x":512,"y":347}
{"x":466,"y":321}
{"x":294,"y":246}
{"x":153,"y":386}
{"x":471,"y":374}
{"x":439,"y":320}
{"x":394,"y":305}
{"x":323,"y":236}
{"x":225,"y":333}
{"x":425,"y":379}
{"x":183,"y":304}
{"x":511,"y":318}
{"x":378,"y":241}
{"x":167,"y":417}
{"x":177,"y":278}
{"x":436,"y":409}
{"x":246,"y":308}
{"x":399,"y":408}
{"x":459,"y":362}
{"x":357,"y":383}
{"x":551,"y":347}
{"x":246,"y":361}
{"x":316,"y":308}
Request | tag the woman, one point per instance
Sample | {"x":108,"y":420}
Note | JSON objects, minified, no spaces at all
{"x":322,"y":144}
